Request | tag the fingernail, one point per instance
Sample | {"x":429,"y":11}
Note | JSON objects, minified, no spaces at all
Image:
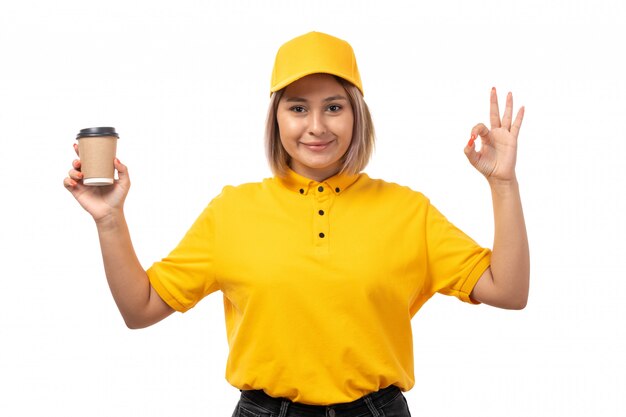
{"x":471,"y":141}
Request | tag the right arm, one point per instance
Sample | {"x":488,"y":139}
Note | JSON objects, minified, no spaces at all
{"x":138,"y":302}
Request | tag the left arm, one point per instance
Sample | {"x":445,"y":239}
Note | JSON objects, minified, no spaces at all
{"x":505,"y":283}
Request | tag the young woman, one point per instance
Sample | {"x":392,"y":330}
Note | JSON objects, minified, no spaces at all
{"x":321,"y":267}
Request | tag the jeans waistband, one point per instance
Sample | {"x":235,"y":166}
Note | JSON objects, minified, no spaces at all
{"x":366,"y":405}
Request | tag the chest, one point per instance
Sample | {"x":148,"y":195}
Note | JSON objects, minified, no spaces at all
{"x":320,"y":245}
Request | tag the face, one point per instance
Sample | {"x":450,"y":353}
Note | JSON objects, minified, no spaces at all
{"x":315,"y":121}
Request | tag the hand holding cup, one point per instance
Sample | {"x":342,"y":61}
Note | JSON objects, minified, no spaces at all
{"x":104,"y":199}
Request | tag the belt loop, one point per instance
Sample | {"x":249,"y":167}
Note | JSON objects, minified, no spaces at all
{"x":283,"y":408}
{"x":370,"y":405}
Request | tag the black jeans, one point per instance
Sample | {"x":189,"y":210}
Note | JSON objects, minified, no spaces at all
{"x":388,"y":402}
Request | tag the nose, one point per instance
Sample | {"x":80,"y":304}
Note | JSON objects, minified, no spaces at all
{"x":317,"y":124}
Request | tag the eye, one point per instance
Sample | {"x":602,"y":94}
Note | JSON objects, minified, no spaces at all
{"x":334,"y":108}
{"x":297,"y":109}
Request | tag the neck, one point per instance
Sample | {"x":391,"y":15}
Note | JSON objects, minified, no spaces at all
{"x":314,"y":174}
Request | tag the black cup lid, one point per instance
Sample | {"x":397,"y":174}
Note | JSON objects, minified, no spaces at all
{"x":97,"y":131}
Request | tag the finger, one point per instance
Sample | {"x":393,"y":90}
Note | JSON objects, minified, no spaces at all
{"x":470,"y":152}
{"x":472,"y":139}
{"x":481,"y":130}
{"x":76,"y":149}
{"x":76,"y":164}
{"x":508,"y":112}
{"x":517,"y":124}
{"x":494,"y":110}
{"x":122,"y":172}
{"x":69,"y":183}
{"x":75,"y":175}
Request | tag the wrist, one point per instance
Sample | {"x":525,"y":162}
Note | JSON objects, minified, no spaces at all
{"x":111,"y":221}
{"x":503,"y":187}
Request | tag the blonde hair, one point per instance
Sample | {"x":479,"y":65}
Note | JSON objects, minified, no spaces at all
{"x":361,"y":146}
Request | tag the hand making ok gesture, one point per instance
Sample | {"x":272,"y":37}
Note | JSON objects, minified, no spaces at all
{"x":498,"y":153}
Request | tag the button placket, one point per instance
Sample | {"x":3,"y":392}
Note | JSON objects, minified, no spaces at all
{"x":323,"y":196}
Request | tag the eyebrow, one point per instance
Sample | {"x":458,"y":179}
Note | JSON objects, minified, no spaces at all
{"x":303,"y":100}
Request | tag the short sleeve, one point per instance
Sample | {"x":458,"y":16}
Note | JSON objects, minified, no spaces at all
{"x":187,"y":274}
{"x":455,"y":261}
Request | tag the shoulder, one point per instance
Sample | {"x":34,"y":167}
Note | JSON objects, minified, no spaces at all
{"x":236,"y":195}
{"x":390,"y":190}
{"x":243,"y":190}
{"x":234,"y":191}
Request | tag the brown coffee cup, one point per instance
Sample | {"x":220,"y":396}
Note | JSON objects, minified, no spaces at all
{"x":97,"y":147}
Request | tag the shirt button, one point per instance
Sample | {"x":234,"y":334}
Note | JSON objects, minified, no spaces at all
{"x":321,"y":212}
{"x":301,"y":190}
{"x":322,"y":235}
{"x":337,"y":190}
{"x":331,"y":413}
{"x":320,"y":189}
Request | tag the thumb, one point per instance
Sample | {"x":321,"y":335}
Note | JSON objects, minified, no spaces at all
{"x":470,"y":151}
{"x":122,"y":172}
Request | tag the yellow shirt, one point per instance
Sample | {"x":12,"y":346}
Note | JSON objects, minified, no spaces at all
{"x":320,"y":281}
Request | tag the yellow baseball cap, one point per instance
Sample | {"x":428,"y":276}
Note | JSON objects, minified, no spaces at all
{"x":313,"y":53}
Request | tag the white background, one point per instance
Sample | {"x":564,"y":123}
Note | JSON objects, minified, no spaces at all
{"x":186,"y":85}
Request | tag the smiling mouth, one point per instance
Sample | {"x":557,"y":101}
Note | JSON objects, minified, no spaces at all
{"x":318,"y":146}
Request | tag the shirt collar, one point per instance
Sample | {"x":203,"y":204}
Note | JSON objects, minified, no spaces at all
{"x":301,"y":185}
